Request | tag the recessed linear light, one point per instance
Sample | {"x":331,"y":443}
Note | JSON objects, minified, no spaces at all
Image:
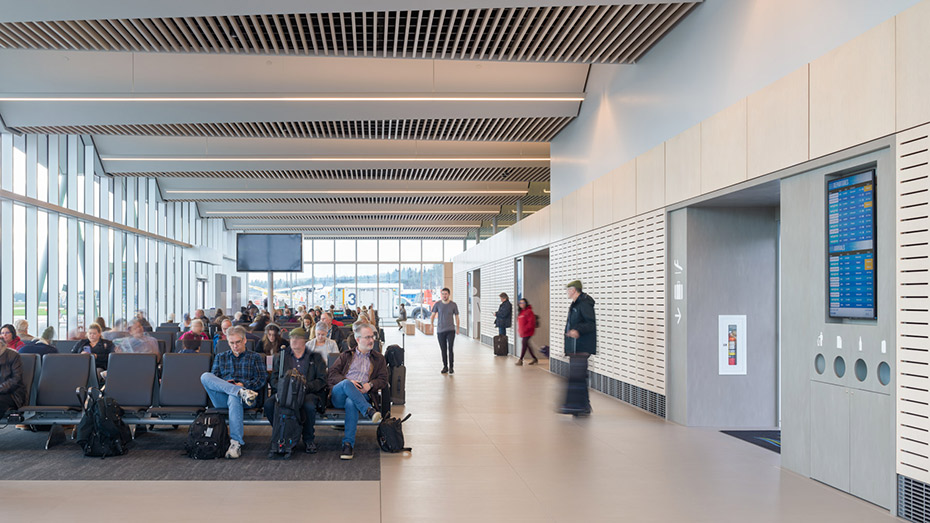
{"x":361,"y":226}
{"x":319,"y":98}
{"x":343,"y":191}
{"x":322,"y":159}
{"x":349,"y":211}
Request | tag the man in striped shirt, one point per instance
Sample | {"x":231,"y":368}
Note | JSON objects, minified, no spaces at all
{"x":352,"y":377}
{"x":237,"y":376}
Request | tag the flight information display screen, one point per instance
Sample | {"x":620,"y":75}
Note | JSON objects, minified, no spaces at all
{"x":851,"y":245}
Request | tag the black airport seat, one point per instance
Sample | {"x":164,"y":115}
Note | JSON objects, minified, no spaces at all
{"x":131,"y":381}
{"x":331,"y":359}
{"x":206,"y":346}
{"x":180,"y":392}
{"x":169,"y":327}
{"x":61,"y":376}
{"x":32,"y":364}
{"x":64,"y":346}
{"x":167,"y":337}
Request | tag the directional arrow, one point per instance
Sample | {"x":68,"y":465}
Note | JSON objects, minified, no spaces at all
{"x":677,"y":315}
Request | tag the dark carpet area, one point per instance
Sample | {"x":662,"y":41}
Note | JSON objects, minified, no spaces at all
{"x":158,"y":455}
{"x":767,"y":439}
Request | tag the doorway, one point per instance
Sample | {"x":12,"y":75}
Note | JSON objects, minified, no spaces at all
{"x":531,"y":281}
{"x":473,"y":292}
{"x":200,"y":294}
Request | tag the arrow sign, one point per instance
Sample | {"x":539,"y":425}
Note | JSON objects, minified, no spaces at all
{"x":677,"y":315}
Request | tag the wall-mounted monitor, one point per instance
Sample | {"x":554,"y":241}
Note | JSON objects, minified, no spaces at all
{"x":269,"y":252}
{"x":851,"y":246}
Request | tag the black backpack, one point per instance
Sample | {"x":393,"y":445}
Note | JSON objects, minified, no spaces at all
{"x":292,"y":387}
{"x":285,"y":432}
{"x":391,"y":434}
{"x":394,"y":356}
{"x":102,"y":431}
{"x":208,"y":436}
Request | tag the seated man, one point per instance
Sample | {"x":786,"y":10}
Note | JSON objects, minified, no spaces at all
{"x":221,"y":334}
{"x":352,"y":377}
{"x":236,"y":377}
{"x":118,"y":331}
{"x":138,"y":341}
{"x":334,"y":333}
{"x":312,"y":366}
{"x":190,"y":346}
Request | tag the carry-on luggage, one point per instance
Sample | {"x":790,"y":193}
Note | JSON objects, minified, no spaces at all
{"x":500,"y":345}
{"x":394,"y":355}
{"x":286,"y":429}
{"x":102,"y":431}
{"x":208,"y":436}
{"x":398,"y":384}
{"x":391,"y":434}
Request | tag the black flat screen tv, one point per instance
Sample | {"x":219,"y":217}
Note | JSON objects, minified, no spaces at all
{"x":851,"y":247}
{"x":269,"y":252}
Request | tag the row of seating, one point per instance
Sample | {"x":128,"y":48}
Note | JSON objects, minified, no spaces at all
{"x":174,"y":398}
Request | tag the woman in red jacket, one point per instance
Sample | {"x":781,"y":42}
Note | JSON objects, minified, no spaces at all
{"x":8,"y":335}
{"x":526,"y":326}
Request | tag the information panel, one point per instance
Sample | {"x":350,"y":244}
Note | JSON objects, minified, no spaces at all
{"x":851,"y":245}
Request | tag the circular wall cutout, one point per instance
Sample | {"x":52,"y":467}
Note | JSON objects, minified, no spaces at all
{"x":884,"y":373}
{"x":862,"y":370}
{"x":820,"y":364}
{"x":839,"y":366}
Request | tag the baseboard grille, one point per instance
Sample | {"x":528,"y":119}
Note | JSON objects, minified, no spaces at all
{"x":647,"y":400}
{"x":913,"y":499}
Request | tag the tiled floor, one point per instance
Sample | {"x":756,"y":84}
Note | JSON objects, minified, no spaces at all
{"x":488,"y":447}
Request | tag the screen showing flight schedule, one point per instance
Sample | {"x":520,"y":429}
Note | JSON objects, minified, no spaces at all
{"x":851,"y":245}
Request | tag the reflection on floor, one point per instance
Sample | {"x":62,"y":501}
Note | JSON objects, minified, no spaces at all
{"x":488,"y":447}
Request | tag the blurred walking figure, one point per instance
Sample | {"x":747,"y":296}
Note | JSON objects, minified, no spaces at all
{"x":526,"y":327}
{"x":580,"y":344}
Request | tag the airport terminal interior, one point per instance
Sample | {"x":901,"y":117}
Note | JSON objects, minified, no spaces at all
{"x":407,"y":261}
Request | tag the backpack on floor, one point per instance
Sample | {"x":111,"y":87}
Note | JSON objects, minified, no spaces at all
{"x":394,"y":356}
{"x":102,"y":431}
{"x":391,"y":434}
{"x":285,"y":432}
{"x":208,"y":436}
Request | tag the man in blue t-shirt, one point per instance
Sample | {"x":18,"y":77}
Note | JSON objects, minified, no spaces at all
{"x":448,"y":313}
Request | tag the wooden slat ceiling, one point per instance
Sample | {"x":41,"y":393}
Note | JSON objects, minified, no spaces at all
{"x":537,"y":129}
{"x":617,"y":34}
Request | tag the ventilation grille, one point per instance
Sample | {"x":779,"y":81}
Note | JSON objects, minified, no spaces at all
{"x":496,"y":277}
{"x":912,"y":186}
{"x":474,"y":174}
{"x":623,"y":269}
{"x":375,"y":200}
{"x":542,"y":129}
{"x":361,"y":229}
{"x":913,"y":500}
{"x":589,"y":34}
{"x":647,"y":400}
{"x":460,"y":293}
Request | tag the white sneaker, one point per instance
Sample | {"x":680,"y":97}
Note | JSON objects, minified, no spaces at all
{"x":235,"y":449}
{"x":248,"y":396}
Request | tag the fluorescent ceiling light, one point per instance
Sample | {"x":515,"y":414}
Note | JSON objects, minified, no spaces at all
{"x":322,"y":159}
{"x":469,"y":225}
{"x":348,"y":211}
{"x":309,"y":98}
{"x":369,"y":192}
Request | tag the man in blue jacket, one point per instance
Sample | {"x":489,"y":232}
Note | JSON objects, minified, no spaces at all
{"x":580,"y":344}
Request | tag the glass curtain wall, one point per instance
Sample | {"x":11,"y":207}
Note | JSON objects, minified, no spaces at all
{"x":64,"y":270}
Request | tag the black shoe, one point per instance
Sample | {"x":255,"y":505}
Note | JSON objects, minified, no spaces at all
{"x":451,"y":370}
{"x":445,"y":370}
{"x":373,"y":414}
{"x":346,"y":452}
{"x":310,"y":448}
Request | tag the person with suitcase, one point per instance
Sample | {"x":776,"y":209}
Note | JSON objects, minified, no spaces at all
{"x":312,"y":367}
{"x":580,"y":344}
{"x":526,"y":327}
{"x":448,"y":314}
{"x":503,"y":318}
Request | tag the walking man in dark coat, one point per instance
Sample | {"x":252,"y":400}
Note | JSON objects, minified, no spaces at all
{"x":580,"y":344}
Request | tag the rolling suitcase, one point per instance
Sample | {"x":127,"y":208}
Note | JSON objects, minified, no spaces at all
{"x":500,"y":345}
{"x":398,"y":384}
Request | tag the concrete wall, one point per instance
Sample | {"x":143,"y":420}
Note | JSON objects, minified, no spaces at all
{"x":812,"y":427}
{"x":732,"y":268}
{"x":723,"y":51}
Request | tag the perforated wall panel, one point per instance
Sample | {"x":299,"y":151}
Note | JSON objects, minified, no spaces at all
{"x":913,"y":299}
{"x":622,"y":266}
{"x":496,"y":277}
